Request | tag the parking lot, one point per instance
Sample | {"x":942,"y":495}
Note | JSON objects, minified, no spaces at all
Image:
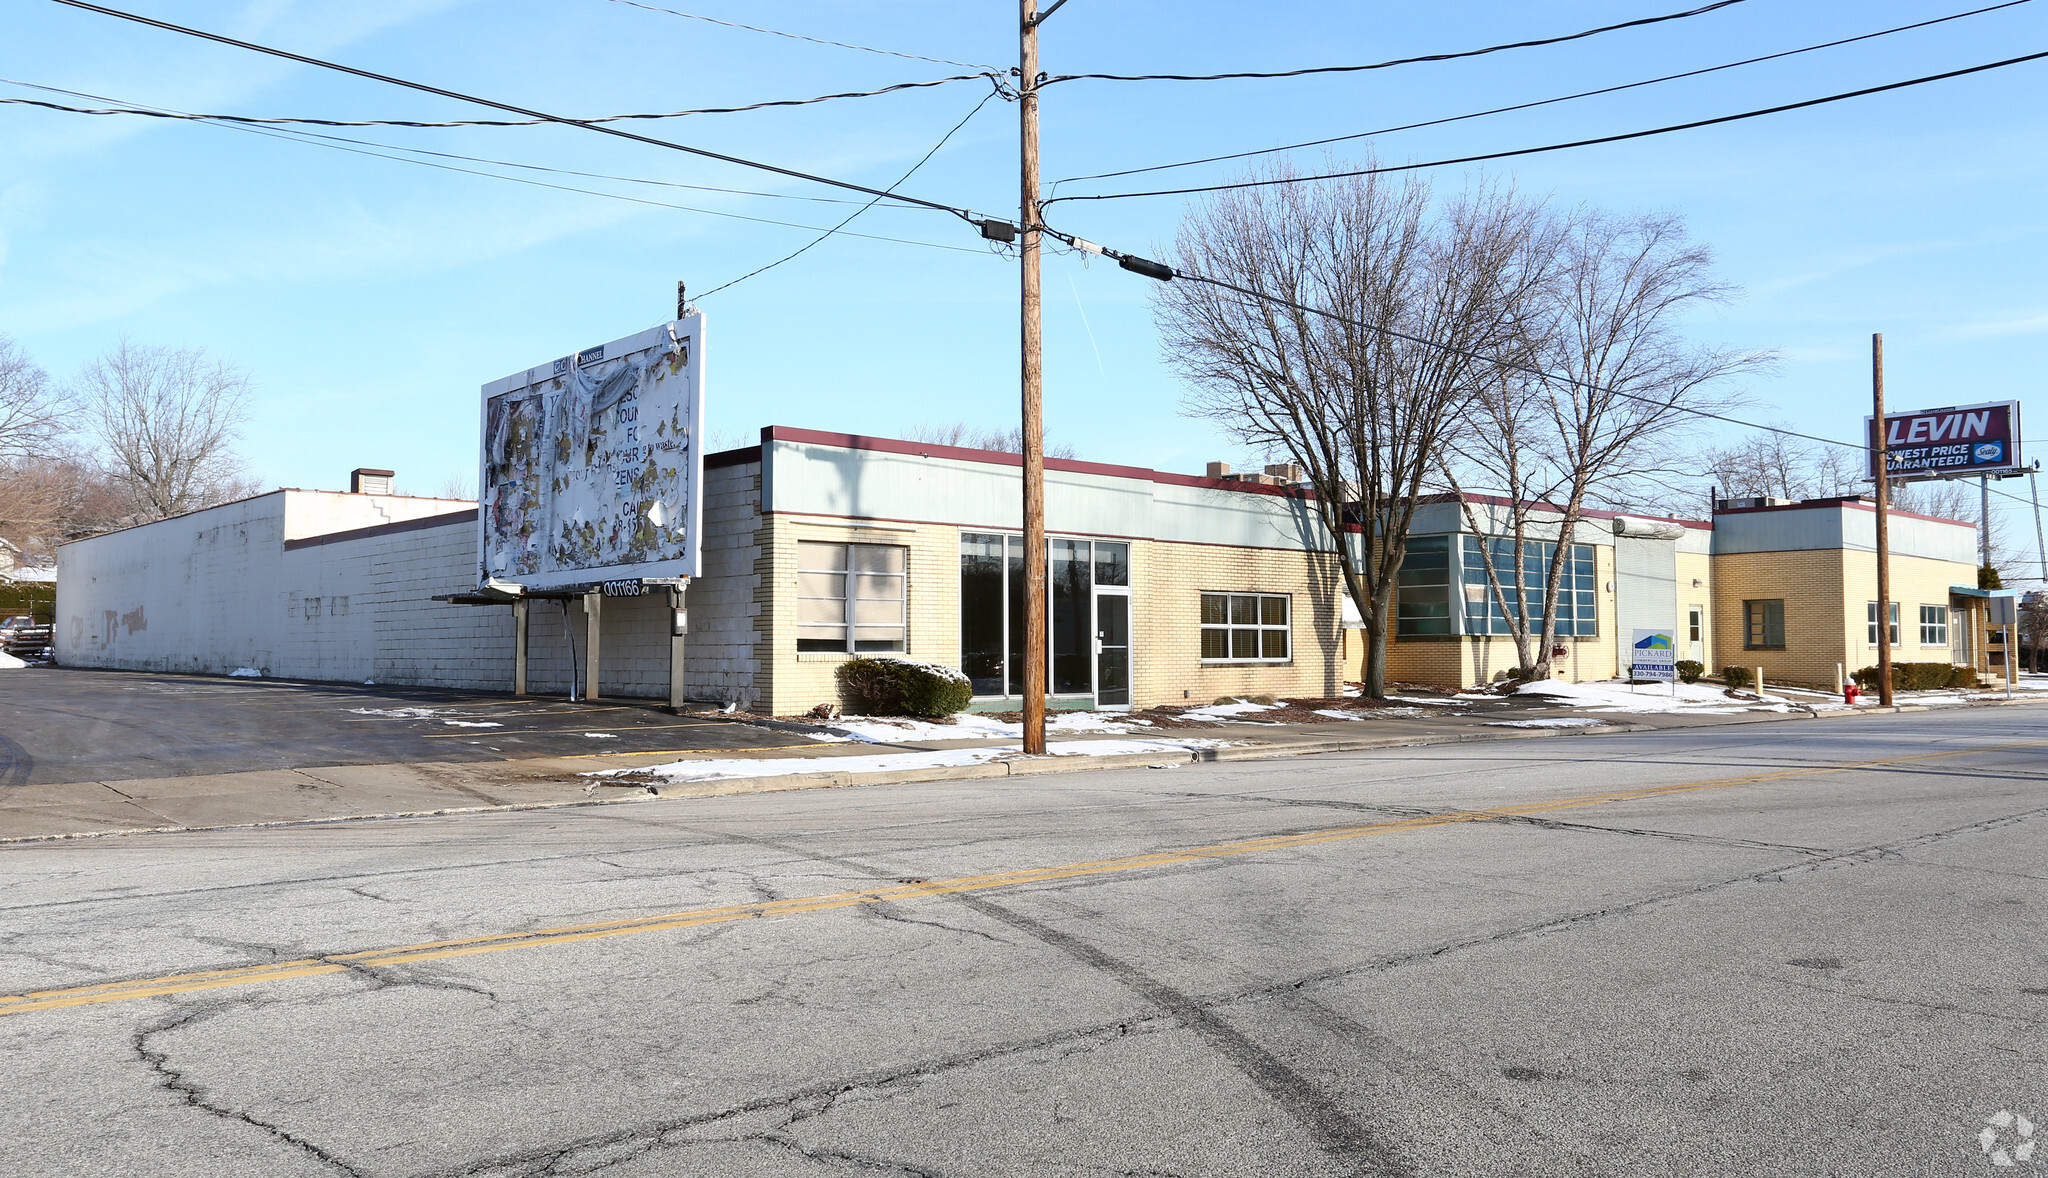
{"x":60,"y":725}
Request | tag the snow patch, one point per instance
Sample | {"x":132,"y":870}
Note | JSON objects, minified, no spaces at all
{"x":601,"y":735}
{"x":398,"y":713}
{"x":473,"y":723}
{"x":1616,"y":695}
{"x":1558,"y":722}
{"x":9,"y":663}
{"x":970,"y":726}
{"x":245,"y":673}
{"x":719,"y":770}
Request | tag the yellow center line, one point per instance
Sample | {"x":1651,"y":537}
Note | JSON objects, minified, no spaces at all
{"x":278,"y":971}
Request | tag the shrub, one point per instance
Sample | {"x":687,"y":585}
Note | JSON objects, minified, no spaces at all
{"x":1919,"y":677}
{"x":884,"y":686}
{"x":1737,"y":677}
{"x":1690,"y":670}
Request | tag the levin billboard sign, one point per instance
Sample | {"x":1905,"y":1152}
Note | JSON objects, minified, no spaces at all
{"x":592,"y":467}
{"x":1947,"y":443}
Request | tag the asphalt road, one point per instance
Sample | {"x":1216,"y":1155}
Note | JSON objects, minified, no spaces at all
{"x":1809,"y":948}
{"x":59,"y":725}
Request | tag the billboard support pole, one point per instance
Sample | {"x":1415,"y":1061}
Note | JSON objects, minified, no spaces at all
{"x":1984,"y":521}
{"x":592,"y":607}
{"x":1032,"y":442}
{"x":519,"y":612}
{"x":675,"y":647}
{"x":1880,"y":443}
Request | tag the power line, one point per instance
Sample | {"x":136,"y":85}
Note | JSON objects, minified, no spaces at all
{"x":733,"y":24}
{"x":336,"y":142}
{"x":519,"y":110}
{"x":1521,"y":151}
{"x":674,"y":114}
{"x":164,"y":112}
{"x":1172,"y":273}
{"x":922,"y":161}
{"x":1541,"y":102}
{"x":1381,"y":65}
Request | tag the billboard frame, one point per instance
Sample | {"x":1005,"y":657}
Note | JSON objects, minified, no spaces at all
{"x":686,"y":334}
{"x":2011,"y":466}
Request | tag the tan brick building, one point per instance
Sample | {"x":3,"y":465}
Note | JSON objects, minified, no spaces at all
{"x":1163,"y":588}
{"x":1796,"y":589}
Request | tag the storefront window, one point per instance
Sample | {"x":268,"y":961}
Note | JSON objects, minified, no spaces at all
{"x":1088,"y":622}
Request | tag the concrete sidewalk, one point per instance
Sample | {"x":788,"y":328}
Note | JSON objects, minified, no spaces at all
{"x":32,"y":813}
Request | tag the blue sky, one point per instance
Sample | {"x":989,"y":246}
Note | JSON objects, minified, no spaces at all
{"x":369,"y":298}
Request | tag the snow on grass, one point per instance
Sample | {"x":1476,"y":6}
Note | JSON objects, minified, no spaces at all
{"x":720,"y":770}
{"x":245,"y":673}
{"x":970,"y":726}
{"x":1557,"y":722}
{"x":1615,"y":695}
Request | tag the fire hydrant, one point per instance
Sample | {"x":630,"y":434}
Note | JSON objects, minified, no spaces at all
{"x":1849,"y":693}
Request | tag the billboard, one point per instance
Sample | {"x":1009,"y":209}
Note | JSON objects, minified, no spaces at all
{"x":592,"y":468}
{"x":1946,"y":443}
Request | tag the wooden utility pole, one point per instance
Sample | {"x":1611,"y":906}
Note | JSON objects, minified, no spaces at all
{"x":1033,"y":381}
{"x":1880,"y":448}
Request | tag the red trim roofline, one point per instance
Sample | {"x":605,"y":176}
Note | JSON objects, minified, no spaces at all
{"x":1584,"y":512}
{"x":1857,"y":504}
{"x":784,"y":433}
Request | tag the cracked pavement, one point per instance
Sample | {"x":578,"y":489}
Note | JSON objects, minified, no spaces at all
{"x":1823,"y":971}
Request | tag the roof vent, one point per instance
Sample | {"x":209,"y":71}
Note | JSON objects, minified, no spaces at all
{"x":364,"y":481}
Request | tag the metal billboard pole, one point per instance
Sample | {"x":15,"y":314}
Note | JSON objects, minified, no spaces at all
{"x":1880,"y":445}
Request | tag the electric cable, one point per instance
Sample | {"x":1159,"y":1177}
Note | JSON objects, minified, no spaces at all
{"x":1521,"y":151}
{"x":313,"y":139}
{"x":733,"y":24}
{"x":674,"y":114}
{"x":1166,"y":272}
{"x":137,"y":18}
{"x":1238,"y":155}
{"x":1381,"y":65}
{"x":166,"y":112}
{"x":922,"y":161}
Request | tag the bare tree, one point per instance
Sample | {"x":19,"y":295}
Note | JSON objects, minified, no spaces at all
{"x":1774,"y":465}
{"x":34,"y":413}
{"x":167,"y":420}
{"x":1362,"y":399}
{"x":969,"y":437}
{"x":1610,"y":388}
{"x":43,"y":500}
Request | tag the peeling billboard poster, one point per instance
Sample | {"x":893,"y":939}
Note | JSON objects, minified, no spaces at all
{"x":1946,"y":443}
{"x":592,"y":467}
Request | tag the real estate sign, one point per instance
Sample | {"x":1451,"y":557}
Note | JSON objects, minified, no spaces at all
{"x":1651,"y":656}
{"x":1945,"y":443}
{"x":592,"y":466}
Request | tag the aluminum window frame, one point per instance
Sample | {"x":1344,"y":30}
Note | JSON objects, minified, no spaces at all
{"x":1756,"y":617}
{"x":1936,"y":626}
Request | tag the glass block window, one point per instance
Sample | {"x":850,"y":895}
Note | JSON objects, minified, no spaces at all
{"x":850,"y":597}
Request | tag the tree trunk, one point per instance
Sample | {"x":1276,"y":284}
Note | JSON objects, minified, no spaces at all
{"x":1374,"y":673}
